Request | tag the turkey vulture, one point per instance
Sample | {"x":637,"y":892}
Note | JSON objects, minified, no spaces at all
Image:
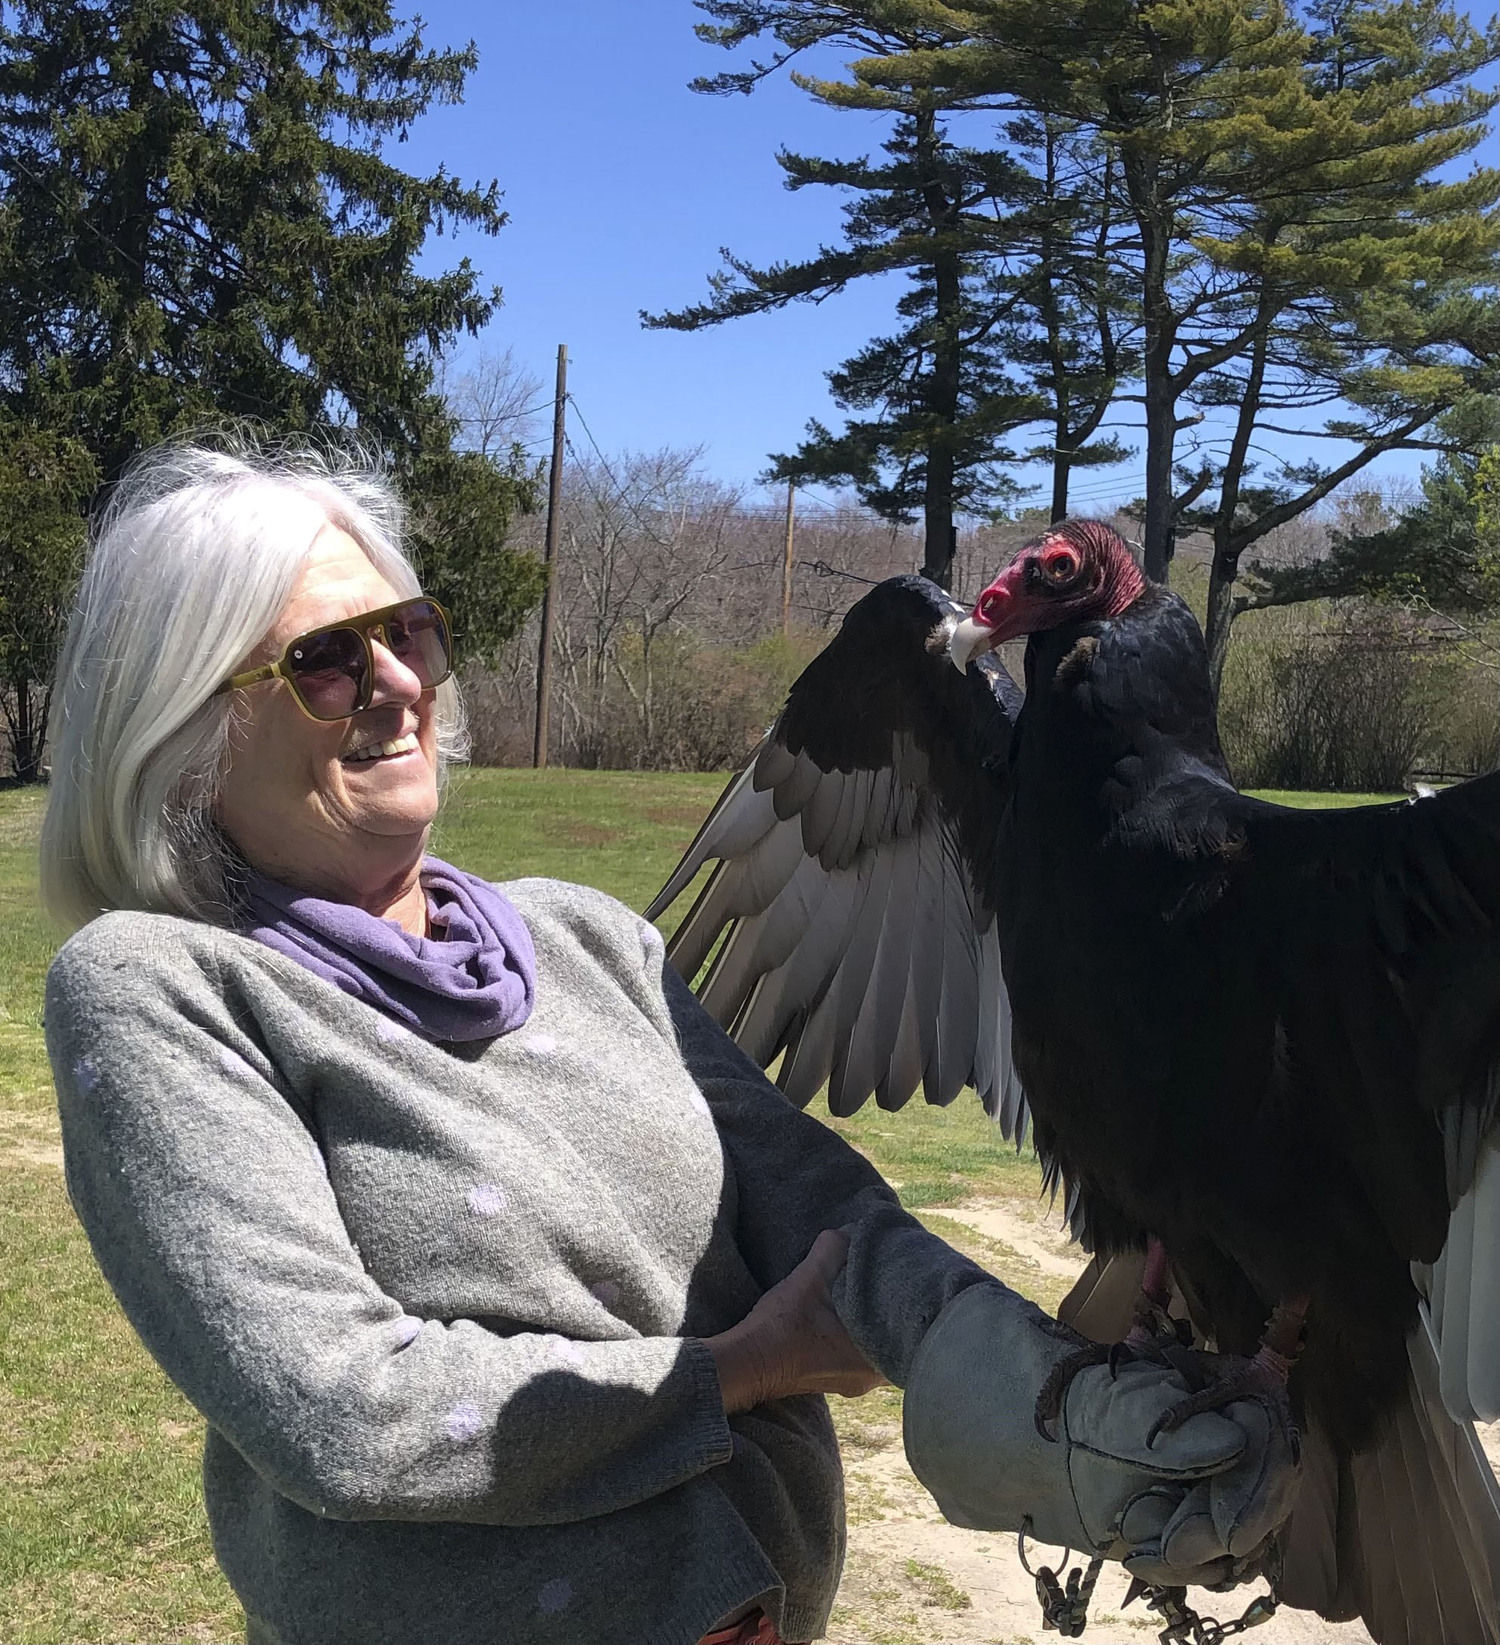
{"x":1263,"y":1041}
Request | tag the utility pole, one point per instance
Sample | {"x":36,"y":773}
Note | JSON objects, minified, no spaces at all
{"x":549,"y":561}
{"x":786,"y":559}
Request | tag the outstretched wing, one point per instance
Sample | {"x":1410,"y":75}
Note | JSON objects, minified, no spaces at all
{"x":1388,"y":926}
{"x":854,"y":880}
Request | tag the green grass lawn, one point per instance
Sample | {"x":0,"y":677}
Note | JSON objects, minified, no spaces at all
{"x":1322,"y":802}
{"x":102,"y":1534}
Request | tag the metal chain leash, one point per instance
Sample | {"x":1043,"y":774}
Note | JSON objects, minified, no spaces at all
{"x":1065,"y":1603}
{"x":1064,"y":1608}
{"x":1185,"y":1627}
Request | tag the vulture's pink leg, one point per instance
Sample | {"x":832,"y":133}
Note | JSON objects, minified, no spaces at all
{"x":1282,"y":1339}
{"x":1156,"y":1280}
{"x":1150,"y":1327}
{"x":1264,"y":1377}
{"x":1151,"y":1320}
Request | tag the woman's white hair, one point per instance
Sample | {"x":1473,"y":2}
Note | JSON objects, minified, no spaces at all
{"x":190,"y":566}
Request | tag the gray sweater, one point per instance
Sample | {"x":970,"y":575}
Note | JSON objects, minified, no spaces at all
{"x":440,"y":1306}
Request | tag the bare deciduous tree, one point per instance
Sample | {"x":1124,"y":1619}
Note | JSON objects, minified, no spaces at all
{"x":496,"y":402}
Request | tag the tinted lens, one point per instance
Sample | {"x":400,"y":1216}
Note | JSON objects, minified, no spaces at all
{"x":328,"y":673}
{"x":418,"y":637}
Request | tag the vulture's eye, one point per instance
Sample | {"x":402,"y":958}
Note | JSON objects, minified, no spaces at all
{"x":1060,"y":568}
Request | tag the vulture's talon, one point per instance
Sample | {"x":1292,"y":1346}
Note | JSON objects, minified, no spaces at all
{"x":1239,"y":1379}
{"x":1164,"y":1347}
{"x":1050,"y":1397}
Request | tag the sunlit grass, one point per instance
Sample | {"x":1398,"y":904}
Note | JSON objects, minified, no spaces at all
{"x":1322,"y":802}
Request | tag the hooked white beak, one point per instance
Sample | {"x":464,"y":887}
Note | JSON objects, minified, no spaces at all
{"x":968,"y":639}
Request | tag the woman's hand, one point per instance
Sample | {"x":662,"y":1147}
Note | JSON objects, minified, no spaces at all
{"x":791,"y":1341}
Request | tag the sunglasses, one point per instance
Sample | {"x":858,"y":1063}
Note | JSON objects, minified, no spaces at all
{"x":331,"y":671}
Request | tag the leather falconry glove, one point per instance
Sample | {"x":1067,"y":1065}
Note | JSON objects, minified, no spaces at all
{"x":1197,"y":1506}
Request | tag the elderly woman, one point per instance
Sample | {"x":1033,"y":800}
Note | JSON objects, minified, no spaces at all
{"x":509,"y":1290}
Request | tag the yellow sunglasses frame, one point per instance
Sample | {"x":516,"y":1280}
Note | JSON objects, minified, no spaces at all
{"x":364,"y":625}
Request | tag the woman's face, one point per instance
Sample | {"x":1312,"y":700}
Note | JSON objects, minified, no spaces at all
{"x":304,"y":800}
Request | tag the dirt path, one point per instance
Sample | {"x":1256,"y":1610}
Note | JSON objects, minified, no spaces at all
{"x":911,"y":1576}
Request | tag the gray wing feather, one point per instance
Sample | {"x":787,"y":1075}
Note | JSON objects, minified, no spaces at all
{"x":905,"y":1071}
{"x":1463,"y":1286}
{"x":799,"y":785}
{"x":821,"y":813}
{"x":880,"y":815}
{"x":958,"y":1009}
{"x":876,"y":1023}
{"x":821,"y":919}
{"x":853,"y":937}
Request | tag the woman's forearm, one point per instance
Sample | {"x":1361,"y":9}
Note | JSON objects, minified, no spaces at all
{"x":796,"y":1175}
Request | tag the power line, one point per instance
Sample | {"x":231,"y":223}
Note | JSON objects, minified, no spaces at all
{"x":624,"y":495}
{"x":1090,"y":491}
{"x":821,"y":568}
{"x":503,"y":416}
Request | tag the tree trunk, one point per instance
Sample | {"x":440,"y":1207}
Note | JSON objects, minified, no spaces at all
{"x":1221,"y":614}
{"x":939,"y":535}
{"x":27,"y":729}
{"x":1161,"y":426}
{"x":1062,"y":456}
{"x":1062,"y":467}
{"x":1228,"y":543}
{"x":1159,"y":337}
{"x":943,"y":384}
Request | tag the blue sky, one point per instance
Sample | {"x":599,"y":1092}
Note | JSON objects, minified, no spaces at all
{"x":621,"y":186}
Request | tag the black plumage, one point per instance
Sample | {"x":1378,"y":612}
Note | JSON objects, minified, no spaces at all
{"x":1268,"y":1037}
{"x":1242,"y":1027}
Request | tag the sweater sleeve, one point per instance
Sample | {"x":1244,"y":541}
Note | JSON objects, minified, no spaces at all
{"x":204,"y":1197}
{"x":796,"y":1177}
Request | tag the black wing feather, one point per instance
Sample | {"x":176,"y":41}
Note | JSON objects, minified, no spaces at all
{"x":1388,"y":921}
{"x":1388,"y":926}
{"x":853,"y":889}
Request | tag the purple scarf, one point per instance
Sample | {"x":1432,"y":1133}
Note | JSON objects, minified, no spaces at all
{"x":474,"y":978}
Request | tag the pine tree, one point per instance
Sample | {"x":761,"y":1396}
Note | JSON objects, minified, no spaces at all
{"x":1288,"y":241}
{"x":1072,"y":330}
{"x":198,"y":219}
{"x":198,"y":222}
{"x":933,"y":210}
{"x":942,"y":398}
{"x":1443,"y":552}
{"x":1041,"y":326}
{"x":45,"y":480}
{"x":1152,"y":84}
{"x":1369,"y":283}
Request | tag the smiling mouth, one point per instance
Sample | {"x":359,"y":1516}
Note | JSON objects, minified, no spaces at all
{"x":382,"y":751}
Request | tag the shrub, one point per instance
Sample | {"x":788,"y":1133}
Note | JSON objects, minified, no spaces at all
{"x":1349,"y":705}
{"x":699,"y":707}
{"x":1467,"y":737}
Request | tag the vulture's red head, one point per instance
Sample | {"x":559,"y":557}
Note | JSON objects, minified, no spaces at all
{"x":1077,"y":571}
